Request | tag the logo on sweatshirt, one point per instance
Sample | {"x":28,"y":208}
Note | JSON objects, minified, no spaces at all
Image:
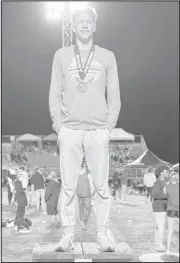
{"x":94,"y":72}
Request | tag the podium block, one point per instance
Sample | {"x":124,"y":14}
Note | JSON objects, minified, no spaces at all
{"x":82,"y":252}
{"x":92,"y":251}
{"x":46,"y":253}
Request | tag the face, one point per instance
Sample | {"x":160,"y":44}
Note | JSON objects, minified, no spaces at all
{"x":174,"y":177}
{"x":165,"y":174}
{"x":84,"y":26}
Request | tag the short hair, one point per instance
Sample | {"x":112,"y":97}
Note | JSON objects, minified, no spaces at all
{"x":161,"y":168}
{"x":87,"y":10}
{"x":149,"y":169}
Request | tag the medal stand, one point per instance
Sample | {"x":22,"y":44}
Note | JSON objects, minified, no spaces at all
{"x":82,"y":252}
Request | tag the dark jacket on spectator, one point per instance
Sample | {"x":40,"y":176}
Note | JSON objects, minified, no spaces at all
{"x":52,"y":193}
{"x":20,"y":193}
{"x":157,"y":189}
{"x":37,"y":180}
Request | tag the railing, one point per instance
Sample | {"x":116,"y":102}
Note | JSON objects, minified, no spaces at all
{"x":138,"y":138}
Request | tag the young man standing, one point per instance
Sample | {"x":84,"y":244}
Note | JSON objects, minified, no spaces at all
{"x":83,"y":120}
{"x":149,"y":180}
{"x":38,"y":182}
{"x":124,"y":182}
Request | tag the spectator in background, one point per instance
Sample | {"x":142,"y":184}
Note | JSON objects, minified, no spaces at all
{"x":5,"y":173}
{"x":84,"y":192}
{"x":111,"y":188}
{"x":31,"y":186}
{"x":172,"y":191}
{"x":116,"y":183}
{"x":52,"y":197}
{"x":38,"y":182}
{"x":21,"y":199}
{"x":12,"y":173}
{"x":123,"y":182}
{"x":134,"y":186}
{"x":159,"y":204}
{"x":23,"y":177}
{"x":149,"y":180}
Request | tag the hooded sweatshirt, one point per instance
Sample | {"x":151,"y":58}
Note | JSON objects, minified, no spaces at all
{"x":89,"y":110}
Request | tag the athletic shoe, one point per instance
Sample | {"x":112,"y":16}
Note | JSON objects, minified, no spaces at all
{"x":24,"y":230}
{"x":66,"y":243}
{"x":104,"y":242}
{"x":160,"y":248}
{"x":111,"y":237}
{"x":10,"y":224}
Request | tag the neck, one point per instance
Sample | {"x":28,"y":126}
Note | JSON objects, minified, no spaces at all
{"x":84,"y":46}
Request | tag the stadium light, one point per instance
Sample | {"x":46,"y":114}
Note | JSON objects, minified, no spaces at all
{"x":74,"y":6}
{"x":61,"y":12}
{"x":54,"y":10}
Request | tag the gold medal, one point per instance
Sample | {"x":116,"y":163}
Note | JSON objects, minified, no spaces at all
{"x":81,"y":87}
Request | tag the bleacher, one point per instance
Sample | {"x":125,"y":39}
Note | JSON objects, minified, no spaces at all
{"x":136,"y":150}
{"x":44,"y":160}
{"x":52,"y":162}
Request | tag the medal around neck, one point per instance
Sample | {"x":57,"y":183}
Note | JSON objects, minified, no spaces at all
{"x":82,"y":86}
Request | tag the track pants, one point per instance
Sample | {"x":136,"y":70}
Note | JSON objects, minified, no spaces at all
{"x":74,"y":144}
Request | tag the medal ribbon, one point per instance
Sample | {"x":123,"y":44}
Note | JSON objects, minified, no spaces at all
{"x":83,"y":70}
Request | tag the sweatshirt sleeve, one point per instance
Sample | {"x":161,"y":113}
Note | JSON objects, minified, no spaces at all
{"x":55,"y":94}
{"x":113,"y":93}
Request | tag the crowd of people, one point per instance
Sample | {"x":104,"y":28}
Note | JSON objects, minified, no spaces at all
{"x":162,"y":186}
{"x":23,"y":184}
{"x":123,"y":154}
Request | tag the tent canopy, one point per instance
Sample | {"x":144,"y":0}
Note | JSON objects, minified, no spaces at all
{"x":51,"y":137}
{"x":120,"y":134}
{"x":28,"y":137}
{"x":148,"y":158}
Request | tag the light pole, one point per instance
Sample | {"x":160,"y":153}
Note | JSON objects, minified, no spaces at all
{"x":62,"y":11}
{"x":67,"y":34}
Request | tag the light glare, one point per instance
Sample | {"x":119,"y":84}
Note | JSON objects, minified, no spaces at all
{"x":74,"y":6}
{"x":54,"y":10}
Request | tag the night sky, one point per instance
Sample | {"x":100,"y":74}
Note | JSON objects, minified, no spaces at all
{"x":145,"y":40}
